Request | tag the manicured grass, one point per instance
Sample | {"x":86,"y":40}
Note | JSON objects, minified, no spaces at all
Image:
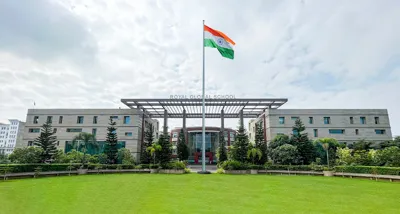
{"x":148,"y":193}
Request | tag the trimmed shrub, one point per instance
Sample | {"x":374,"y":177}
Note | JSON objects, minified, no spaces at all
{"x":258,"y":167}
{"x":234,"y":165}
{"x":17,"y":168}
{"x":290,"y":167}
{"x":174,"y":165}
{"x":369,"y":170}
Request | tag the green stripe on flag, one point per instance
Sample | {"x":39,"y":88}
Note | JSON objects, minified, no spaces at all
{"x":225,"y":52}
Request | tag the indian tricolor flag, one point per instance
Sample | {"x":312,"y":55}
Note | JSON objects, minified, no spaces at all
{"x":217,"y":39}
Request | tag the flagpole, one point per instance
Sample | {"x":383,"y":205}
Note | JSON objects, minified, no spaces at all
{"x":204,"y":114}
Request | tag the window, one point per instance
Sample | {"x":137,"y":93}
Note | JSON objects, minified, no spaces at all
{"x":60,"y":119}
{"x":114,"y":132}
{"x":295,"y":132}
{"x":281,"y":120}
{"x":294,"y":118}
{"x":58,"y":143}
{"x":310,"y":120}
{"x":94,"y":131}
{"x":174,"y":135}
{"x":356,"y":131}
{"x":30,"y":143}
{"x":362,"y":120}
{"x":315,"y":132}
{"x":36,"y":130}
{"x":327,"y":120}
{"x":74,"y":130}
{"x":376,"y":120}
{"x":55,"y":130}
{"x":36,"y":119}
{"x":351,"y":120}
{"x":79,"y":120}
{"x":127,"y":119}
{"x":114,"y":117}
{"x":129,"y":134}
{"x":380,"y":131}
{"x":49,"y":119}
{"x":94,"y":119}
{"x":336,"y":131}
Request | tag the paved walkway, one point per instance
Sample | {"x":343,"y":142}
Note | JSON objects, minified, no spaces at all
{"x":197,"y":168}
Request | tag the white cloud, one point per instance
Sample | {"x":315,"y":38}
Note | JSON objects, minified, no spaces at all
{"x":319,"y":54}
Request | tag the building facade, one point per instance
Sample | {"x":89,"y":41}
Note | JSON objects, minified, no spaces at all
{"x":67,"y":123}
{"x":10,"y":135}
{"x":194,"y":139}
{"x":345,"y":125}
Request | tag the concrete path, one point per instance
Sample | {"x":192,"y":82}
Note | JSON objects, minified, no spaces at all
{"x":197,"y":168}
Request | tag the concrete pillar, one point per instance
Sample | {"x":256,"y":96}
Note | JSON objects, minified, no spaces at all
{"x":265,"y":126}
{"x":241,"y":118}
{"x":222,"y":120}
{"x":184,"y":125}
{"x":165,"y":128}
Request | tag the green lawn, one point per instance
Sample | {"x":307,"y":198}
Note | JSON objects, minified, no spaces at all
{"x":148,"y":193}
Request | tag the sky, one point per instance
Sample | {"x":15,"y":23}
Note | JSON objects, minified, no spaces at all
{"x":90,"y":54}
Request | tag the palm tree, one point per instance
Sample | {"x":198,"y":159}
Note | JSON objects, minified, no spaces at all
{"x":84,"y":140}
{"x":326,"y":148}
{"x":254,"y":153}
{"x":152,"y":150}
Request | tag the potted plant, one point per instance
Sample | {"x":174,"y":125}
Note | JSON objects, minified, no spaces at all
{"x":328,"y":172}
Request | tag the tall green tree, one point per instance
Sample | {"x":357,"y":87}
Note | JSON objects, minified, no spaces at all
{"x":240,"y":147}
{"x":111,"y":145}
{"x":47,"y":141}
{"x":326,"y":149}
{"x":254,"y":154}
{"x":261,"y":145}
{"x":153,"y":149}
{"x":182,"y":148}
{"x":164,"y":155}
{"x":222,"y":154}
{"x":84,"y":142}
{"x":305,"y":147}
{"x":145,"y":157}
{"x":30,"y":154}
{"x":125,"y":157}
{"x":279,"y":140}
{"x":285,"y":154}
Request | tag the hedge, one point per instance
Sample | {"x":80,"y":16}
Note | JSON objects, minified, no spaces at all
{"x":290,"y":167}
{"x":369,"y":170}
{"x":16,"y":168}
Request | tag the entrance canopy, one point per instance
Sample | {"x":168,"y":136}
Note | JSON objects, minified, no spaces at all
{"x":214,"y":108}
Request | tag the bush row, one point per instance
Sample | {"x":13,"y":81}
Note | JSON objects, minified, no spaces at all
{"x":369,"y":170}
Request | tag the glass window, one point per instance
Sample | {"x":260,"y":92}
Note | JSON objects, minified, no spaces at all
{"x":281,"y":120}
{"x":36,"y":119}
{"x":55,"y":130}
{"x":79,"y":120}
{"x":49,"y":119}
{"x":174,"y":135}
{"x":114,"y":117}
{"x":58,"y":143}
{"x":336,"y":131}
{"x":94,"y":119}
{"x":94,"y":132}
{"x":376,"y":120}
{"x":356,"y":131}
{"x":129,"y":134}
{"x":315,"y":132}
{"x":351,"y":120}
{"x":60,"y":119}
{"x":295,"y":132}
{"x":294,"y":118}
{"x":380,"y":131}
{"x":310,"y":120}
{"x":114,"y":132}
{"x":327,"y":120}
{"x":74,"y":130}
{"x":362,"y":120}
{"x":35,"y":130}
{"x":127,"y":119}
{"x":30,"y":143}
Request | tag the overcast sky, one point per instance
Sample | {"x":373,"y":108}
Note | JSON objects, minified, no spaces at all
{"x":90,"y":54}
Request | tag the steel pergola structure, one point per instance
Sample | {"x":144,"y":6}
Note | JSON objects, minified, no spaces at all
{"x":215,"y":108}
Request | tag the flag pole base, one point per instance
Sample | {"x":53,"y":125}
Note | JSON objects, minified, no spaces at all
{"x":203,"y":172}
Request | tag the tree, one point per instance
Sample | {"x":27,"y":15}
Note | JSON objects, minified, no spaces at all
{"x":285,"y":154}
{"x":344,"y":156}
{"x":183,"y":150}
{"x":261,"y":144}
{"x":83,"y":142}
{"x":47,"y":141}
{"x":328,"y":154}
{"x":4,"y":159}
{"x":389,"y":156}
{"x":29,"y":154}
{"x":111,"y":146}
{"x":148,"y":140}
{"x":153,"y":149}
{"x":239,"y":148}
{"x":304,"y":146}
{"x":278,"y":141}
{"x":253,"y":153}
{"x":222,"y":154}
{"x":362,"y":145}
{"x":164,"y":155}
{"x":125,"y":157}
